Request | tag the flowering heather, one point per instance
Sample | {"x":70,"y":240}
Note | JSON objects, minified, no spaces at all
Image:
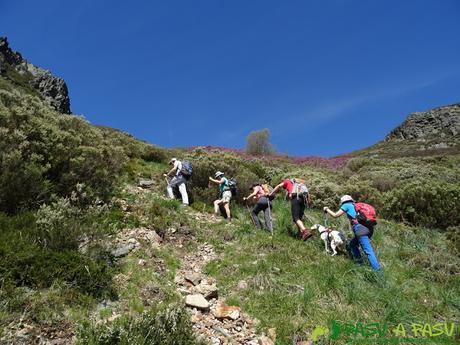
{"x":333,"y":163}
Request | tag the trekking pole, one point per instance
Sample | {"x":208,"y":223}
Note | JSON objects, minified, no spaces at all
{"x":271,"y":221}
{"x":250,"y":215}
{"x":325,"y":218}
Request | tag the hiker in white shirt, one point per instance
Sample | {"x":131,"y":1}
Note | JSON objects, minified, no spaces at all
{"x":176,"y":178}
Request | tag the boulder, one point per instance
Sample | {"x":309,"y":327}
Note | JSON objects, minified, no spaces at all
{"x":122,"y":250}
{"x":224,"y":311}
{"x":197,"y":301}
{"x":208,"y":291}
{"x":263,"y":340}
{"x":146,"y":183}
{"x":193,"y":278}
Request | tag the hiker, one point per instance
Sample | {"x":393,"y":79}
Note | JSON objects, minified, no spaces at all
{"x":299,"y":197}
{"x":263,"y":204}
{"x":225,"y":194}
{"x":176,"y":178}
{"x":360,"y":231}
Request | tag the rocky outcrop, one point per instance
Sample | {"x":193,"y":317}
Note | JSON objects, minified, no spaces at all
{"x":52,"y":89}
{"x":442,"y":122}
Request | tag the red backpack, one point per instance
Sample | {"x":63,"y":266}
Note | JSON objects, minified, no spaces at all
{"x":365,"y":214}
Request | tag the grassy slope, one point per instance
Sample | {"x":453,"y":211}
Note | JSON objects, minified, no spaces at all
{"x":295,"y":286}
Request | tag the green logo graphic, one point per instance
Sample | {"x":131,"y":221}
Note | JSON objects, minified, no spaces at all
{"x":375,"y":332}
{"x":318,"y":332}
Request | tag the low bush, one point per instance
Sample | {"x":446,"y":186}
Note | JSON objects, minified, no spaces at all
{"x":426,"y":202}
{"x":453,"y":235}
{"x":25,"y":261}
{"x":34,"y":267}
{"x":63,"y":224}
{"x":169,"y":326}
{"x":43,"y":153}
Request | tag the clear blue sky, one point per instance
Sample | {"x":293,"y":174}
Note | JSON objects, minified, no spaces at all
{"x":326,"y":77}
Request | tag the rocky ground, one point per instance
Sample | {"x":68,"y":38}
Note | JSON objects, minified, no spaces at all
{"x":212,"y":318}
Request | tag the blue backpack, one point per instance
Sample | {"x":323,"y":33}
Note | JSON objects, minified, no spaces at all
{"x":187,"y":169}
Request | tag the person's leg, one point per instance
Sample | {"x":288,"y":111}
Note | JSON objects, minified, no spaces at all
{"x":226,"y":197}
{"x":369,"y":251}
{"x":169,"y":188}
{"x":255,"y":215}
{"x":216,"y":206}
{"x":227,"y":210}
{"x":354,"y":247}
{"x":183,"y":193}
{"x":267,"y":215}
{"x":301,"y":206}
{"x":296,"y":208}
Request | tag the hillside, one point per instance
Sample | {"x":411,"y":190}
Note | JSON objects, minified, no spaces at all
{"x":427,"y":133}
{"x":91,"y":251}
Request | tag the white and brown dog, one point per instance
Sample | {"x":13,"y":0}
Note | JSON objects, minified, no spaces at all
{"x":336,"y":239}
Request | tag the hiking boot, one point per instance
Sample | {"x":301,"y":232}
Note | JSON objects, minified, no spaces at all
{"x":305,"y":235}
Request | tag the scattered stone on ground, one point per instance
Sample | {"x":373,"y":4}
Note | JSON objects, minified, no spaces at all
{"x":146,"y":183}
{"x":220,"y":323}
{"x":193,"y":278}
{"x":197,"y":301}
{"x":122,"y":250}
{"x":224,"y":311}
{"x":242,"y":285}
{"x":263,"y":340}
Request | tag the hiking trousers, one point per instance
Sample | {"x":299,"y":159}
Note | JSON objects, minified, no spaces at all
{"x":364,"y":242}
{"x":297,"y":207}
{"x":180,"y":182}
{"x":262,"y":205}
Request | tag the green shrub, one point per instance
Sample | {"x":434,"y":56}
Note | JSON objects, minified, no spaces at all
{"x":24,"y":261}
{"x":43,"y":152}
{"x":453,"y":235}
{"x":169,"y":326}
{"x":356,"y":164}
{"x":30,"y":265}
{"x":429,"y":203}
{"x":64,"y":223}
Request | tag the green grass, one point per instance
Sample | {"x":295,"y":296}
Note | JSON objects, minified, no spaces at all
{"x":294,"y":286}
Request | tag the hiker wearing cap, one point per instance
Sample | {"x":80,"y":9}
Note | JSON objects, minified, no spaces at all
{"x":360,"y":231}
{"x":225,"y":194}
{"x":263,"y":204}
{"x":298,"y":196}
{"x":176,"y":178}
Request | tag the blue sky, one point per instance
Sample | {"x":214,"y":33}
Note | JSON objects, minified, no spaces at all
{"x":326,"y":77}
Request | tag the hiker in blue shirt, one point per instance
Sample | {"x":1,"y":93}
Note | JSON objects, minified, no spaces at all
{"x":225,"y":194}
{"x":361,"y":232}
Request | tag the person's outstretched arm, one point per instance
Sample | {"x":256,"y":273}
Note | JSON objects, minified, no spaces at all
{"x":216,"y":181}
{"x":276,"y":189}
{"x":332,"y":213}
{"x":253,"y":194}
{"x":171,"y":172}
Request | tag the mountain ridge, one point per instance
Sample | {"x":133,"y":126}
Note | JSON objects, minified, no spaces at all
{"x":433,"y":131}
{"x":52,"y":89}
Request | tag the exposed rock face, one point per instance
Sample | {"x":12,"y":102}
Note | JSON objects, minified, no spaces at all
{"x":52,"y":89}
{"x":10,"y":57}
{"x":442,"y":122}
